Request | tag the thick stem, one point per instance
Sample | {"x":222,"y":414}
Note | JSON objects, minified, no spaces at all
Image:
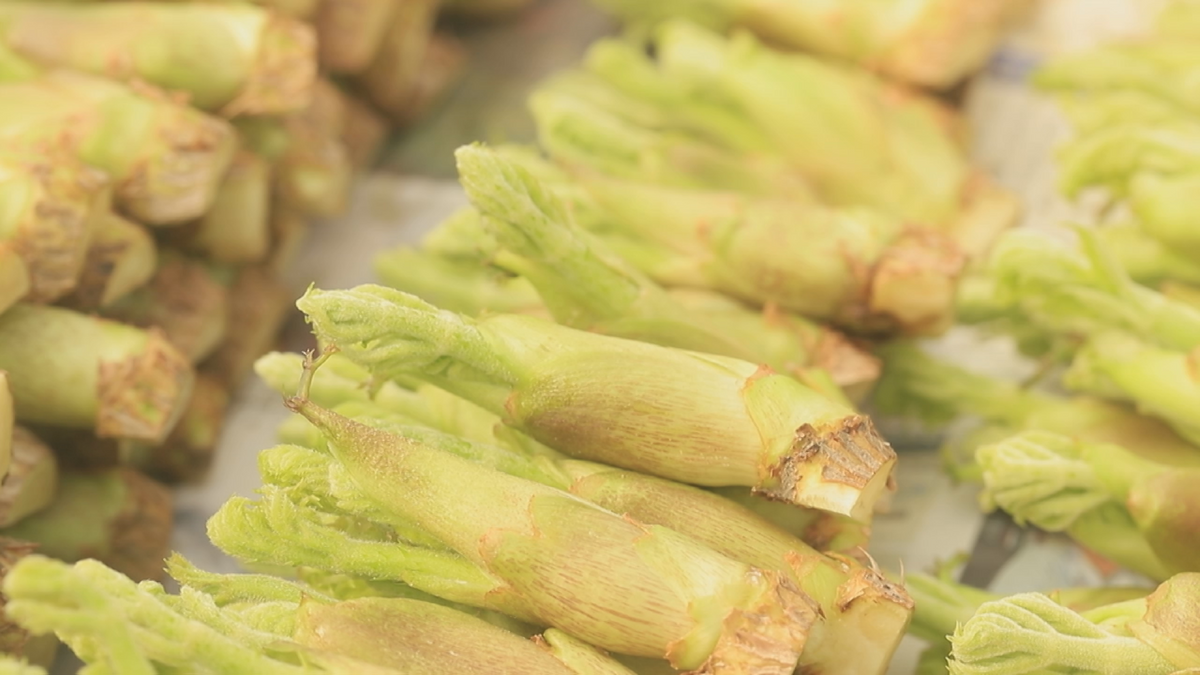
{"x":411,"y":636}
{"x":68,"y":369}
{"x":388,"y":82}
{"x":49,"y":201}
{"x":854,"y":267}
{"x":914,"y":165}
{"x":578,"y":656}
{"x":32,"y":480}
{"x":313,"y":173}
{"x":858,"y":606}
{"x":184,"y":301}
{"x":1158,"y":381}
{"x":946,"y":41}
{"x":350,"y":32}
{"x":186,"y":455}
{"x":118,"y":516}
{"x":365,"y":132}
{"x":690,"y":417}
{"x":788,"y":342}
{"x":931,"y":44}
{"x":259,"y":305}
{"x":229,"y":58}
{"x":588,"y":286}
{"x":913,"y":284}
{"x":236,"y":227}
{"x":584,"y":285}
{"x":408,"y":475}
{"x":824,"y":531}
{"x":121,"y":257}
{"x":1170,"y":623}
{"x":1111,"y":532}
{"x":988,"y":211}
{"x":165,"y":159}
{"x":442,"y":65}
{"x":1164,"y":507}
{"x":82,"y":451}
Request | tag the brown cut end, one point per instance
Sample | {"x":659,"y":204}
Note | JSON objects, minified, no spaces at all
{"x":120,"y":258}
{"x":14,"y":640}
{"x":390,"y":78}
{"x":140,"y":535}
{"x":988,"y":210}
{"x":80,"y":449}
{"x":185,"y":302}
{"x":913,"y":284}
{"x":328,"y":108}
{"x":143,"y":396}
{"x":235,"y":229}
{"x":949,"y":120}
{"x":188,"y":452}
{"x":259,"y":305}
{"x":853,"y":368}
{"x":285,"y":70}
{"x":867,"y":586}
{"x":949,"y":40}
{"x":868,"y":618}
{"x":314,"y":175}
{"x":32,"y":480}
{"x":767,"y":637}
{"x":1171,"y":624}
{"x":364,"y":133}
{"x":179,"y":181}
{"x":835,"y":534}
{"x":443,"y":64}
{"x":54,"y":243}
{"x":842,"y":466}
{"x":350,"y":32}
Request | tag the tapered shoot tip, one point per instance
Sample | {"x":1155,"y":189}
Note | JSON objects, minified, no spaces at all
{"x":499,"y":185}
{"x":477,"y":164}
